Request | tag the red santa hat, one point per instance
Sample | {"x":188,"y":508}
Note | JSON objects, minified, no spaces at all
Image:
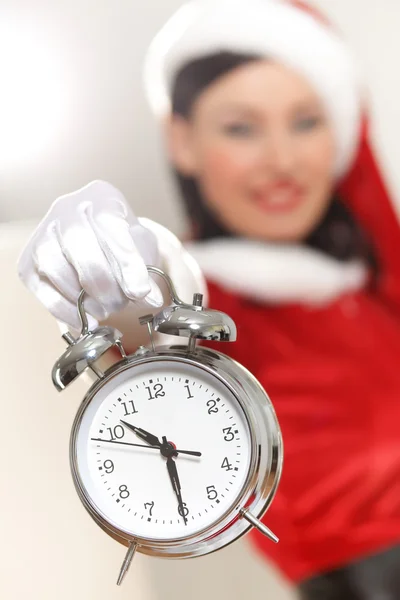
{"x":284,"y":31}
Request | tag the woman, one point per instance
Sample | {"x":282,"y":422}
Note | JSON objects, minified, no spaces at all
{"x":296,"y":236}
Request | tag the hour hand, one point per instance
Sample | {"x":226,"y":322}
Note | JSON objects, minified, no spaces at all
{"x":143,"y":434}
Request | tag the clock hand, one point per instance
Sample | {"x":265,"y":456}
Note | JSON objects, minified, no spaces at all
{"x":143,"y":434}
{"x":173,"y":474}
{"x":190,"y":452}
{"x":174,"y":477}
{"x":124,"y":443}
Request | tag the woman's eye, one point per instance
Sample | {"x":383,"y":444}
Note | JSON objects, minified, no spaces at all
{"x":306,"y":124}
{"x":239,"y":129}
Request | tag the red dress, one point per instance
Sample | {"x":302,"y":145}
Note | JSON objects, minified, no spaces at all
{"x":333,"y":375}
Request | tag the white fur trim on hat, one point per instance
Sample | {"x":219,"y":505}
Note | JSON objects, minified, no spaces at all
{"x":271,"y":28}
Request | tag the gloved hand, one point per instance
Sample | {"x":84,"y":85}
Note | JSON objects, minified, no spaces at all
{"x":90,"y":239}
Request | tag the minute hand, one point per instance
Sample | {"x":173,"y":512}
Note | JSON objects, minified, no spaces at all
{"x":173,"y":475}
{"x":143,"y":434}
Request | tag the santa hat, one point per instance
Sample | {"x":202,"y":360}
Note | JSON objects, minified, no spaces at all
{"x":281,"y":30}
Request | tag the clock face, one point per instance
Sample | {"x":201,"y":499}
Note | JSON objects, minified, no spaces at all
{"x":163,"y":450}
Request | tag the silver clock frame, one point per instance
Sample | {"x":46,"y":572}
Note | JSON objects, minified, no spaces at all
{"x":265,"y":463}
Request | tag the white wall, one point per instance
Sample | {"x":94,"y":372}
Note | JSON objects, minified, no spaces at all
{"x":105,"y":129}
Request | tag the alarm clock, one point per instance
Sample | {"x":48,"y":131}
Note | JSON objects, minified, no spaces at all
{"x":175,"y":450}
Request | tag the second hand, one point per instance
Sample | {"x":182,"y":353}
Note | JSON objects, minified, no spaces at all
{"x":190,"y":452}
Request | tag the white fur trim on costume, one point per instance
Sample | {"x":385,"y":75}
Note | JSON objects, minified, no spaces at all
{"x":277,"y":274}
{"x":266,"y":272}
{"x":271,"y":28}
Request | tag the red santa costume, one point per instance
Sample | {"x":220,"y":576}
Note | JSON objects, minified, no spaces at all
{"x":318,"y":334}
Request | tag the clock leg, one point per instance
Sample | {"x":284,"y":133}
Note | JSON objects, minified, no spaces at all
{"x":127,"y":562}
{"x":259,"y":525}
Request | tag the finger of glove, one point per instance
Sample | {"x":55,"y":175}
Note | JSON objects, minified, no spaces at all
{"x":81,"y":247}
{"x":51,"y":264}
{"x":107,"y":202}
{"x":105,"y":198}
{"x":126,"y":262}
{"x":147,"y":244}
{"x":61,"y":308}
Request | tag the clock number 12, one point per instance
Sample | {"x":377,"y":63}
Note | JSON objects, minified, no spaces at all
{"x":157,"y":390}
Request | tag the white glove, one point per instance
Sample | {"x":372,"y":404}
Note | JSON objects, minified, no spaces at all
{"x":90,"y":239}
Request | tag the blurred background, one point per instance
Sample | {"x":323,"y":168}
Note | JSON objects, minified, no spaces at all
{"x":72,"y":109}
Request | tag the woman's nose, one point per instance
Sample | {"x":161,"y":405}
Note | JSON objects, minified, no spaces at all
{"x":279,"y":154}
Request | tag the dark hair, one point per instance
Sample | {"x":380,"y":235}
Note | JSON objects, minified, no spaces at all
{"x":338,"y":234}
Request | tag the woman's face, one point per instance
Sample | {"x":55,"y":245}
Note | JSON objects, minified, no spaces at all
{"x":262,"y":151}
